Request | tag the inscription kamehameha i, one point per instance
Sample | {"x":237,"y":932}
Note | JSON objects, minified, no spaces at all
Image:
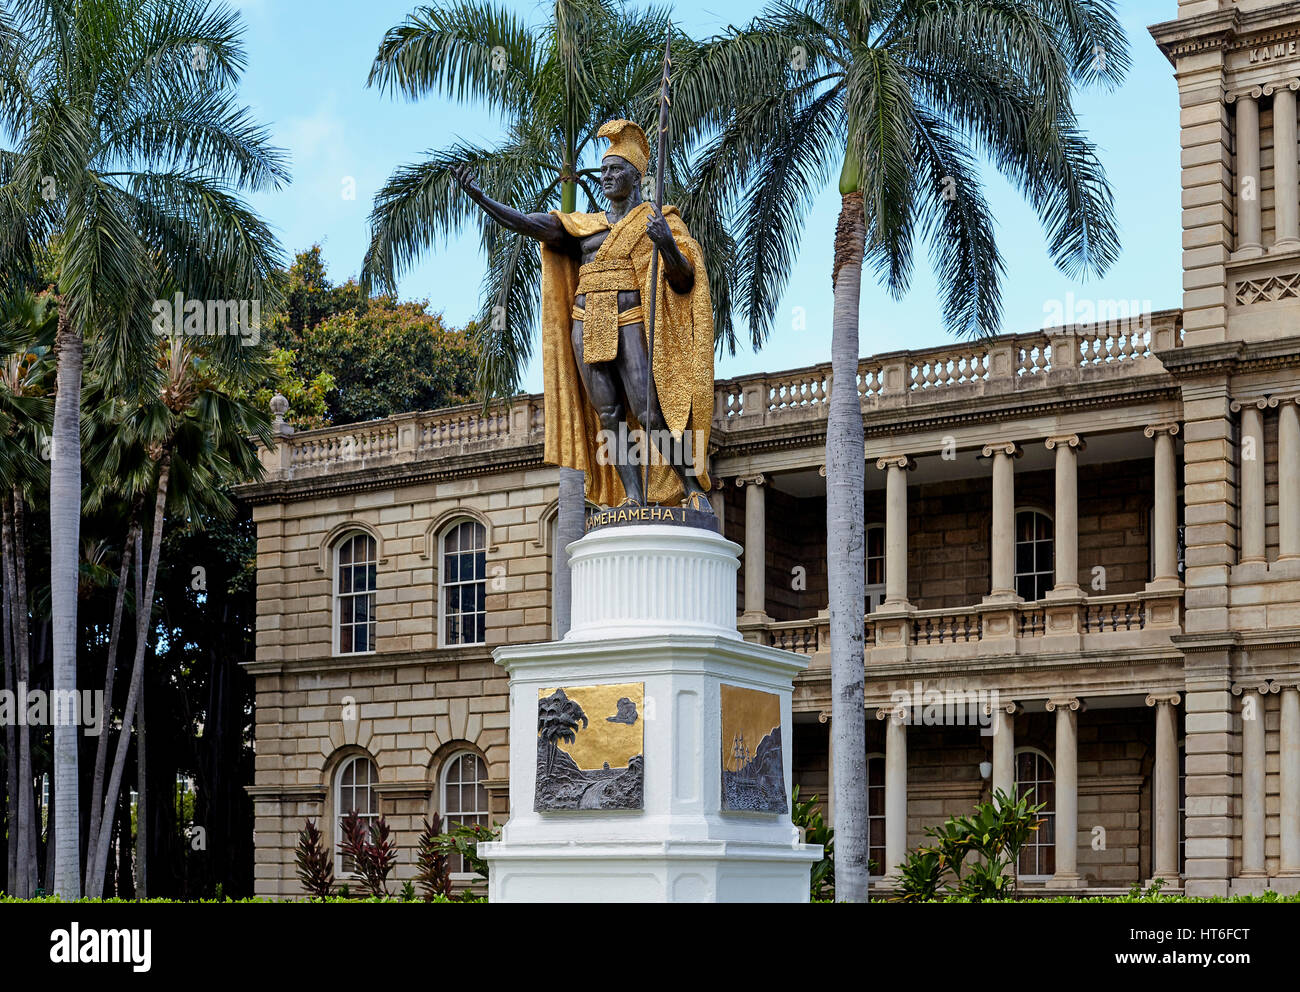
{"x":628,"y":515}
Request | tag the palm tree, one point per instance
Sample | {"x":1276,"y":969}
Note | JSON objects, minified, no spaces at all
{"x":191,"y":439}
{"x":26,"y":337}
{"x":595,"y":60}
{"x":558,"y":717}
{"x":126,"y":147}
{"x":905,"y":97}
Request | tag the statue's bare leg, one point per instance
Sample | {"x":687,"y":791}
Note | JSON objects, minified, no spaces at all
{"x":605,"y":394}
{"x":643,"y":398}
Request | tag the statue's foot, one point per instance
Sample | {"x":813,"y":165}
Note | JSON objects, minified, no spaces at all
{"x":628,"y":501}
{"x":698,"y":501}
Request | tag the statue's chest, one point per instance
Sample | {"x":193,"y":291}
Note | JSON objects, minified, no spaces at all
{"x":591,"y":244}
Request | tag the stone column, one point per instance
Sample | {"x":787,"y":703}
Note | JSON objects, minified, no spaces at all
{"x":1289,"y":754}
{"x":1164,"y":530}
{"x":1003,"y":546}
{"x":1249,"y":222}
{"x":1288,"y":480}
{"x":1166,"y":786}
{"x":755,"y":548}
{"x":896,"y":467}
{"x":1067,"y":514}
{"x":1004,"y":747}
{"x":1253,"y":757}
{"x":719,"y":501}
{"x":1252,"y":482}
{"x":1067,"y":791}
{"x":1286,"y":163}
{"x":895,"y":788}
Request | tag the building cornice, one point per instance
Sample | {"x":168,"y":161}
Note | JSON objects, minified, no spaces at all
{"x":1228,"y":29}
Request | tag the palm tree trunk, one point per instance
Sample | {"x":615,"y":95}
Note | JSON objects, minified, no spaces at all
{"x":110,"y":672}
{"x":22,"y":839}
{"x":22,"y":655}
{"x":142,"y":780}
{"x":568,"y":528}
{"x":65,"y":535}
{"x":13,"y":835}
{"x":144,"y":613}
{"x":844,"y":560}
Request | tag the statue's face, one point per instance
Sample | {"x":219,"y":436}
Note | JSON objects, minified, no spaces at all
{"x":619,"y":178}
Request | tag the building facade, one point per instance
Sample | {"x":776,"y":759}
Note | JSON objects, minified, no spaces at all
{"x":1082,"y":555}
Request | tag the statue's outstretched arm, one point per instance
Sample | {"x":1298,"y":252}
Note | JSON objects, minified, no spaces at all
{"x":545,"y":228}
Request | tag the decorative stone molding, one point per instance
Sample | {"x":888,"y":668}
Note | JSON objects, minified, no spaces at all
{"x":1272,"y":87}
{"x":1005,"y":447}
{"x":1010,"y":707}
{"x":336,"y":532}
{"x":1066,"y":702}
{"x":1160,"y":696}
{"x":1253,"y":92}
{"x":1070,"y":440}
{"x":448,"y":516}
{"x":753,"y":480}
{"x":905,"y":462}
{"x":1151,"y":430}
{"x":895,"y":714}
{"x":1263,"y":686}
{"x":1262,"y":403}
{"x":1266,"y":289}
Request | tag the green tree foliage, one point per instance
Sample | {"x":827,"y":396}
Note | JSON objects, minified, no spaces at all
{"x":365,"y":358}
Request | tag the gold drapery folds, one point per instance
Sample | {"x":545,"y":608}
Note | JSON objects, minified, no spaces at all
{"x":683,"y":348}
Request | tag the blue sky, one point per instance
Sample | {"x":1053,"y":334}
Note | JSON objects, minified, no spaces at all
{"x":306,"y":81}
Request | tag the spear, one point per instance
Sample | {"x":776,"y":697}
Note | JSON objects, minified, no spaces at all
{"x":661,"y":145}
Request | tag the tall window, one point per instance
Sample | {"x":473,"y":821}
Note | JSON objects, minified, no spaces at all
{"x":876,"y":813}
{"x":464,"y":585}
{"x":355,"y":790}
{"x":1034,"y":771}
{"x":464,"y":797}
{"x":875,"y":566}
{"x":354,"y":594}
{"x":1034,"y":552}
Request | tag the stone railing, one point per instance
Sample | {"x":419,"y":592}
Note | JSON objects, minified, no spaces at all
{"x":995,"y":365}
{"x":408,"y":437}
{"x":1145,"y":619}
{"x":1002,"y":364}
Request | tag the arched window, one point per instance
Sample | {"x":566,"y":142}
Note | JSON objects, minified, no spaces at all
{"x":1034,"y":553}
{"x":354,"y":594}
{"x":1034,"y":771}
{"x":875,"y":556}
{"x":876,"y":813}
{"x":463,"y":594}
{"x":354,"y":789}
{"x":464,"y":797}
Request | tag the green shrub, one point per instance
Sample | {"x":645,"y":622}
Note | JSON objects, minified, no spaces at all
{"x":995,"y":834}
{"x":807,"y":816}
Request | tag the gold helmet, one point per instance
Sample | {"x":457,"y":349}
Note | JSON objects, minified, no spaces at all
{"x":627,"y":141}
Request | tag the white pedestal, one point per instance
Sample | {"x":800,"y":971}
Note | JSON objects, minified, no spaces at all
{"x":680,"y":846}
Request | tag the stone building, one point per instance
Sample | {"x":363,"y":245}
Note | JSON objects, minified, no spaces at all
{"x":1086,"y":538}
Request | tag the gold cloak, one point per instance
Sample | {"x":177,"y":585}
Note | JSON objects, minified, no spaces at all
{"x":683,"y":354}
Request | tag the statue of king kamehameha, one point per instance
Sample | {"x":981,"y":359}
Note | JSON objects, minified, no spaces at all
{"x":596,"y":274}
